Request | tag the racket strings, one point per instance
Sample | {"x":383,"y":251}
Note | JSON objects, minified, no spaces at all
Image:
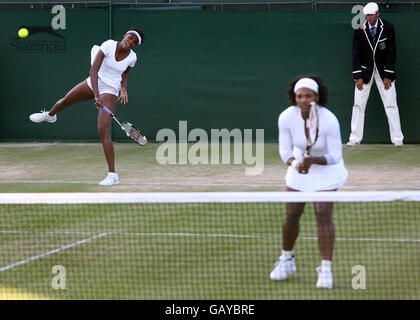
{"x":132,"y":132}
{"x":138,"y":136}
{"x":311,"y":127}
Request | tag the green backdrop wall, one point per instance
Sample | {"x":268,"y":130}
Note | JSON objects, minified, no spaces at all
{"x":215,"y":69}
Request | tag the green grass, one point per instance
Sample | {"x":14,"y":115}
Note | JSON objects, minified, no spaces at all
{"x":66,"y":167}
{"x":130,"y":262}
{"x":161,"y":251}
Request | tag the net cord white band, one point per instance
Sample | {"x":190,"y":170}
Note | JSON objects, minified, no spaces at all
{"x":207,"y":197}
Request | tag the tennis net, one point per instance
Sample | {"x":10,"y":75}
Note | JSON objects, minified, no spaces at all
{"x":199,"y":246}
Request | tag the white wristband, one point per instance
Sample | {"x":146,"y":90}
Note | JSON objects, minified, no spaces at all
{"x":294,"y":164}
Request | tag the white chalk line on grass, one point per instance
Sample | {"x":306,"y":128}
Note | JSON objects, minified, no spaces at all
{"x":146,"y":183}
{"x":11,"y":266}
{"x":199,"y":184}
{"x":40,"y":256}
{"x":208,"y":235}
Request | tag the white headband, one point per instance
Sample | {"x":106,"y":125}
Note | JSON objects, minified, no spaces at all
{"x":306,"y":83}
{"x":135,"y":33}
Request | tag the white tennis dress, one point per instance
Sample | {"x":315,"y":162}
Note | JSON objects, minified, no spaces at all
{"x":292,"y":143}
{"x":110,"y":73}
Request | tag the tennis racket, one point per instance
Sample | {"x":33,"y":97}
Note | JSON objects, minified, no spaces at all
{"x":311,"y":128}
{"x":131,"y":131}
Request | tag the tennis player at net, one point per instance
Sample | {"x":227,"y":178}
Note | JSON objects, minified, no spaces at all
{"x":320,"y":169}
{"x":107,"y":84}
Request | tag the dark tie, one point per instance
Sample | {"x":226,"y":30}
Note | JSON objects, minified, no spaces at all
{"x":373,"y":34}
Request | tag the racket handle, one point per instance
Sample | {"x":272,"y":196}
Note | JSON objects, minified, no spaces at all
{"x":107,"y":110}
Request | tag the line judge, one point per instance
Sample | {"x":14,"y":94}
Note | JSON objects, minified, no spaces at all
{"x":374,"y":57}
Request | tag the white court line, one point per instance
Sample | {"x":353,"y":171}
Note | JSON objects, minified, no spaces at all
{"x":199,"y":184}
{"x":145,"y":183}
{"x":253,"y":236}
{"x":51,"y":252}
{"x":366,"y":239}
{"x":48,"y":232}
{"x":209,"y":235}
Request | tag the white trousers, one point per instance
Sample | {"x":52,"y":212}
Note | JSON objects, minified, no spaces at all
{"x":389,"y":99}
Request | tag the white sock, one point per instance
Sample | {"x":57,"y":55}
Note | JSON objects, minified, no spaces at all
{"x":326,"y":264}
{"x":287,"y":254}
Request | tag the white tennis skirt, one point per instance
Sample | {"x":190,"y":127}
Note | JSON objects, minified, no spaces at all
{"x":103,"y":87}
{"x":318,"y":178}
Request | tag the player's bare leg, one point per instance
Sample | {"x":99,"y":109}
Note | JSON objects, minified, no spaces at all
{"x":323,"y":212}
{"x":104,"y":124}
{"x":294,"y":211}
{"x":81,"y":92}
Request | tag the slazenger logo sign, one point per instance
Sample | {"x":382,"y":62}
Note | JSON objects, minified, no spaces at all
{"x":55,"y":42}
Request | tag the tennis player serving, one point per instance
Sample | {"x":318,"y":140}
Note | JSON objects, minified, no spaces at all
{"x":107,"y":84}
{"x":315,"y":164}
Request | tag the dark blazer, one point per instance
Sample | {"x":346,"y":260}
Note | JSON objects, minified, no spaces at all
{"x":383,"y":51}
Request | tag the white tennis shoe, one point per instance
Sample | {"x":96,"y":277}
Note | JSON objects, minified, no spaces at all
{"x":325,"y":278}
{"x":111,"y":179}
{"x":283,"y":268}
{"x":398,"y":143}
{"x":42,"y":116}
{"x":352,"y":143}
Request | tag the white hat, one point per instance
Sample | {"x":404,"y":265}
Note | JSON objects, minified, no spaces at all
{"x":370,"y":8}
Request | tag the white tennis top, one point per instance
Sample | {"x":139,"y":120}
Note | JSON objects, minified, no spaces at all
{"x":111,"y":70}
{"x":292,"y":143}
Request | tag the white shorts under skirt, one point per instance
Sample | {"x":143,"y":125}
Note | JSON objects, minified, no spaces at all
{"x":319,"y":178}
{"x":103,"y":87}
